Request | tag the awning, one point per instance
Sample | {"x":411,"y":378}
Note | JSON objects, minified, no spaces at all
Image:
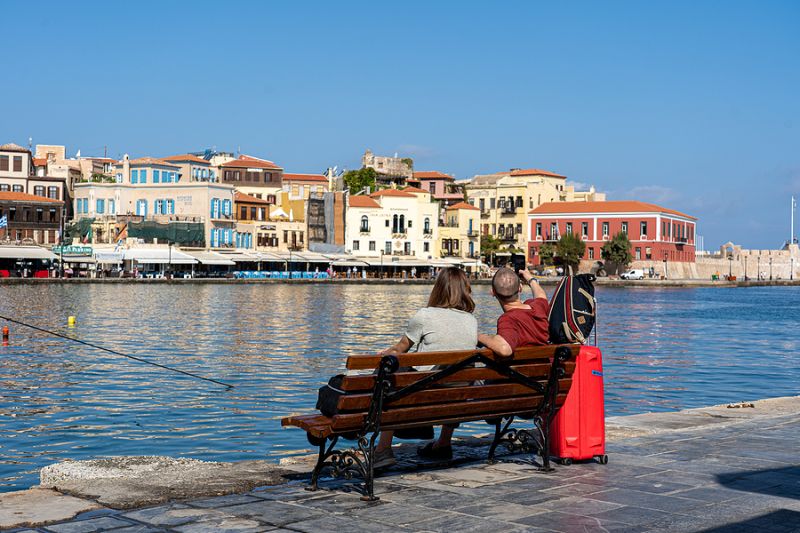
{"x":349,"y":263}
{"x":159,"y":256}
{"x":109,"y":257}
{"x":209,"y":258}
{"x":88,"y":259}
{"x":239,"y":257}
{"x":25,"y":252}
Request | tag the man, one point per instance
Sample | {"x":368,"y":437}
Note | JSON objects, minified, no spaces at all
{"x":522,"y":323}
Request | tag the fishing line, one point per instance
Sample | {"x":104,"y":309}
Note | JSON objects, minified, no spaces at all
{"x":95,"y":346}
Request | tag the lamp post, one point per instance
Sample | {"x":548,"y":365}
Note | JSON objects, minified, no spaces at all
{"x":665,"y":265}
{"x":745,"y":268}
{"x":770,"y":269}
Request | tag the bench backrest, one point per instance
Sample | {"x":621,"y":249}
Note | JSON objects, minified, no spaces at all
{"x":455,"y":397}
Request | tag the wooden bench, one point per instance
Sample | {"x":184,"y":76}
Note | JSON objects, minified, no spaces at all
{"x":532,"y":384}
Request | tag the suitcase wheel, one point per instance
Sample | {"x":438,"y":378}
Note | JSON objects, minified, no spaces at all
{"x":602,"y":459}
{"x":566,"y":461}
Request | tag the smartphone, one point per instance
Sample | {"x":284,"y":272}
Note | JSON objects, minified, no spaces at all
{"x":518,"y":261}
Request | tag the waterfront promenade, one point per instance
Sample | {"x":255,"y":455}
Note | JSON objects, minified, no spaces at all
{"x":720,"y":469}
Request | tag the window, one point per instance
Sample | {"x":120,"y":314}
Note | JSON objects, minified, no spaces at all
{"x":143,"y":176}
{"x":364,"y":224}
{"x":426,"y":247}
{"x":519,"y":228}
{"x":605,"y":229}
{"x":52,"y":216}
{"x":426,"y":228}
{"x":4,"y":187}
{"x":39,"y":214}
{"x":171,"y":206}
{"x":157,"y":176}
{"x":625,"y":227}
{"x":253,"y":213}
{"x":355,"y":246}
{"x":243,"y":213}
{"x":569,"y":228}
{"x":501,"y":230}
{"x":371,"y":246}
{"x":215,"y":208}
{"x":3,"y":162}
{"x":482,"y":204}
{"x":100,"y":206}
{"x":553,"y":230}
{"x":52,"y":192}
{"x":407,"y":248}
{"x":402,"y":223}
{"x":17,"y":163}
{"x":141,"y":208}
{"x":491,"y":203}
{"x":285,"y":236}
{"x":157,"y":209}
{"x":112,"y":207}
{"x":387,"y":248}
{"x":538,"y":229}
{"x":38,"y":190}
{"x":226,"y":207}
{"x":387,"y":222}
{"x":643,"y":229}
{"x":591,"y":253}
{"x":395,"y":223}
{"x":519,"y":201}
{"x":134,"y":176}
{"x":585,"y":229}
{"x":638,"y":254}
{"x":17,"y":188}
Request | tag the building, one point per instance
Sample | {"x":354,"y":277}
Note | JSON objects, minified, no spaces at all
{"x":150,"y":199}
{"x":301,"y":186}
{"x":656,"y":233}
{"x":17,"y":174}
{"x":253,"y":176}
{"x":193,"y":168}
{"x":326,"y":221}
{"x":442,"y":186}
{"x":30,"y":217}
{"x":392,"y":222}
{"x":391,"y":170}
{"x":261,"y":226}
{"x":504,"y":198}
{"x":459,"y":235}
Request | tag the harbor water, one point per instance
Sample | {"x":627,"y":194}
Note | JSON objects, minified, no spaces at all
{"x":664,"y":349}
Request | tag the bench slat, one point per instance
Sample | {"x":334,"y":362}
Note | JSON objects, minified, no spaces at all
{"x":403,"y":379}
{"x":345,"y":422}
{"x":356,"y":402}
{"x":370,"y":362}
{"x":317,"y":425}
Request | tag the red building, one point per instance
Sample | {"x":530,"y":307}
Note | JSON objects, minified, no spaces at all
{"x":656,"y":233}
{"x":441,"y":186}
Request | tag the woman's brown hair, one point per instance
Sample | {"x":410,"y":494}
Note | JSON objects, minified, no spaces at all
{"x":452,"y":291}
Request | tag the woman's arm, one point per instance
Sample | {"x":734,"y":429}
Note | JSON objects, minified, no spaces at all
{"x":401,"y":346}
{"x":496,"y":343}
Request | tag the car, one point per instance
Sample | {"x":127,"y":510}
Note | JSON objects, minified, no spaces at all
{"x":633,"y":274}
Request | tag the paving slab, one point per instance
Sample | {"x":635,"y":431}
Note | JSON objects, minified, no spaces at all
{"x":39,"y":506}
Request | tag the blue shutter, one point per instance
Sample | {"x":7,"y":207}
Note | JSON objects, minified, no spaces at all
{"x":143,"y":176}
{"x":134,"y":176}
{"x":171,"y":207}
{"x":156,"y":175}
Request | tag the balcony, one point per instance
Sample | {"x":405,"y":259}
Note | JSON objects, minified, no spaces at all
{"x":364,"y":230}
{"x":508,"y":210}
{"x":552,"y":237}
{"x":681,"y":240}
{"x":472,"y":233}
{"x":450,"y":253}
{"x":484,"y":212}
{"x":511,"y":236}
{"x":427,"y":232}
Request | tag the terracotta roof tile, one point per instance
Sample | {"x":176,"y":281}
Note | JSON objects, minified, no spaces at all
{"x":250,"y":162}
{"x":304,"y":177}
{"x":25,"y":197}
{"x":151,"y":161}
{"x":612,"y":206}
{"x":246,"y":198}
{"x":463,"y":205}
{"x":416,"y":190}
{"x":11,"y":147}
{"x":186,"y":157}
{"x":392,"y":192}
{"x":39,"y":161}
{"x":363,"y":201}
{"x":431,"y":174}
{"x":535,"y":172}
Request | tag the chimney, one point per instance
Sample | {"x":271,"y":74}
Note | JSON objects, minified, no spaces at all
{"x":126,"y":169}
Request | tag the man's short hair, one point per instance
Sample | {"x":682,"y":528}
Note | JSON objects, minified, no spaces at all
{"x":506,"y":284}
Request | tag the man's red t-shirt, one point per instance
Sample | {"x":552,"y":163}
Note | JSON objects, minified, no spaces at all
{"x":526,"y":327}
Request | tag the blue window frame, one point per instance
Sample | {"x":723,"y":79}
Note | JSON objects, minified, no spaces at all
{"x":215,"y":208}
{"x":141,"y":208}
{"x":134,"y":176}
{"x":100,"y":206}
{"x":112,"y":207}
{"x":171,"y":207}
{"x":85,"y":205}
{"x":226,"y":207}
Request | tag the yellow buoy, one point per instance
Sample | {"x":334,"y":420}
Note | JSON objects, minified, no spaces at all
{"x":71,"y":321}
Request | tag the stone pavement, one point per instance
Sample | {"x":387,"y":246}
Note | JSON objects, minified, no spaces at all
{"x":738,"y":476}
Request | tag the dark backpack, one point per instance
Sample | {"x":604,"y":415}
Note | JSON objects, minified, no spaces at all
{"x":572,"y":309}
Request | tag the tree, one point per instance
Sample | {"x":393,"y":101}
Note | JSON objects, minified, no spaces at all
{"x":617,"y":251}
{"x":489,"y":245}
{"x":569,"y":250}
{"x":547,"y":252}
{"x":356,"y":180}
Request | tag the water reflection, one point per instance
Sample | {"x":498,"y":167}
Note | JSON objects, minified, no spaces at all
{"x":663,"y":349}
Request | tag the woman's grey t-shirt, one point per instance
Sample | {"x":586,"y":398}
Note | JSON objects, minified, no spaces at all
{"x":434,"y":329}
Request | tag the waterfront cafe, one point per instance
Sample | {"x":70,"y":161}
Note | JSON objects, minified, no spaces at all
{"x":26,"y":261}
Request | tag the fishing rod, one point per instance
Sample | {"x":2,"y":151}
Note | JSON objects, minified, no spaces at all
{"x":95,"y":346}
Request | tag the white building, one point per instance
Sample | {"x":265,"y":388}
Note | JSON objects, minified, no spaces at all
{"x":392,"y":222}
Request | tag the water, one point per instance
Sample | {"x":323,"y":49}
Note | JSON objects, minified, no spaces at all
{"x":663,"y":350}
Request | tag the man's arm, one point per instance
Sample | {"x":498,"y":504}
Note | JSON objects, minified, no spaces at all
{"x":496,"y":343}
{"x":538,"y":292}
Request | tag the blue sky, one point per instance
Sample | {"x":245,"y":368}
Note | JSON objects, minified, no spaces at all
{"x":693,"y":105}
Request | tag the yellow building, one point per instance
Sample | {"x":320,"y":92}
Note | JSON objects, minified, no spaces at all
{"x":504,"y":199}
{"x":459,"y":236}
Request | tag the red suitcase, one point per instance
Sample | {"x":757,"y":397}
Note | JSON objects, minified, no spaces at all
{"x":578,"y":431}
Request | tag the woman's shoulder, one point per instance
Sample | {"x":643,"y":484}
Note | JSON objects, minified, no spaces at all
{"x":449,"y":312}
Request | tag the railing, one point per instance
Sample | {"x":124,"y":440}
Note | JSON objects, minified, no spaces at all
{"x":427,"y":232}
{"x":508,"y":210}
{"x":472,"y":233}
{"x":364,"y":229}
{"x":552,"y":237}
{"x":508,"y":237}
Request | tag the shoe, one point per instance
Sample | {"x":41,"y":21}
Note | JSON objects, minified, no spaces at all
{"x":440,"y":452}
{"x":384,"y":459}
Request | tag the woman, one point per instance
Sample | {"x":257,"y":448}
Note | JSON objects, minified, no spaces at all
{"x":447,"y":323}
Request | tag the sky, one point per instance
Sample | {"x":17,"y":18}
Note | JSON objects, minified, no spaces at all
{"x":691,"y":105}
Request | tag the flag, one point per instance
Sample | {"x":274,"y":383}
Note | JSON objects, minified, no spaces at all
{"x":88,"y":238}
{"x":3,"y":222}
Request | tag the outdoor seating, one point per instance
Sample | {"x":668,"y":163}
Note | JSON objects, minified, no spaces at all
{"x":532,"y":385}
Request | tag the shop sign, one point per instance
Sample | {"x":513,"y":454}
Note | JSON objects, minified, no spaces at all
{"x":72,"y":250}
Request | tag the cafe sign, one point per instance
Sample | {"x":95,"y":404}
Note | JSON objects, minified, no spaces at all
{"x":72,"y":250}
